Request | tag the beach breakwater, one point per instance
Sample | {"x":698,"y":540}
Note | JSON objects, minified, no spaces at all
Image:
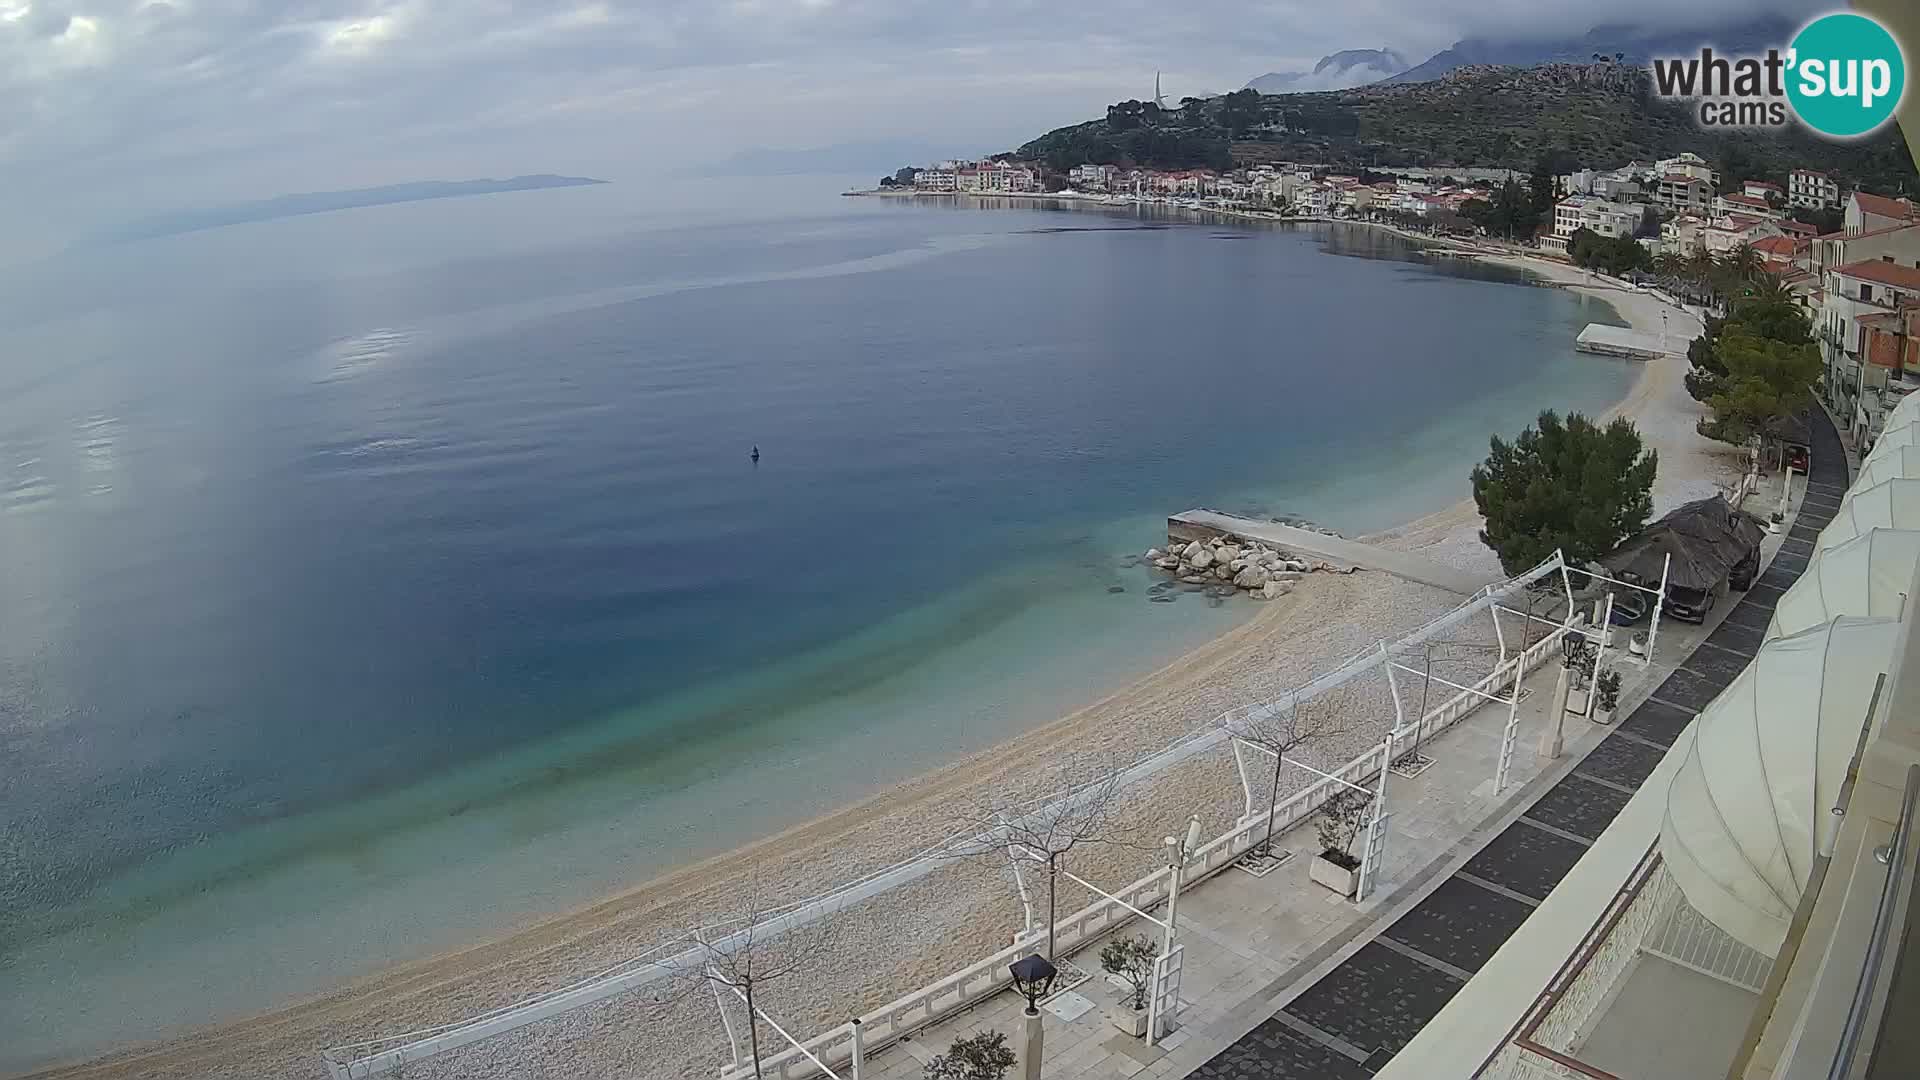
{"x":1223,"y":564}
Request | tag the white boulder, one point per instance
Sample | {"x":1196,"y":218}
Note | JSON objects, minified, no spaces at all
{"x":1252,"y":577}
{"x":1200,"y":559}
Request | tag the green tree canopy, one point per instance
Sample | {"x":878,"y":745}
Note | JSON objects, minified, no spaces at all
{"x":1705,"y":372}
{"x":1766,"y":378}
{"x":1616,"y":255}
{"x":1571,"y":486}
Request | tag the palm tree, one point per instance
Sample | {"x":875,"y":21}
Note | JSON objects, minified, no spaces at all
{"x":1698,"y":270}
{"x":1742,"y":263}
{"x":1770,"y":288}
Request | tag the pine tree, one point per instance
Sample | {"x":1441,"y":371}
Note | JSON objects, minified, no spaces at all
{"x":1571,"y":486}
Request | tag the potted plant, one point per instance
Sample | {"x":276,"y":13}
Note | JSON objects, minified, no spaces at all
{"x":1341,"y":819}
{"x":1131,"y":961}
{"x":981,"y":1056}
{"x":1606,"y":696}
{"x":1578,"y":656}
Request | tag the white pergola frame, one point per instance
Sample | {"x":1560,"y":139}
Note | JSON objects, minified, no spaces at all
{"x":1163,"y":971}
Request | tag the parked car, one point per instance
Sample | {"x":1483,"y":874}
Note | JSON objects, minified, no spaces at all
{"x":1629,"y":607}
{"x":1688,"y":605}
{"x":1742,"y":575}
{"x":1797,"y":459}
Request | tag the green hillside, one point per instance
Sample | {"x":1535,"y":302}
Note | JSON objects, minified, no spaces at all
{"x":1593,"y":115}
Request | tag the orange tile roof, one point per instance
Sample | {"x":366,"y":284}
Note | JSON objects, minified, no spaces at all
{"x":1776,"y":245}
{"x":1754,"y":201}
{"x":1881,"y":206}
{"x":1884,"y":273}
{"x":1799,"y":227}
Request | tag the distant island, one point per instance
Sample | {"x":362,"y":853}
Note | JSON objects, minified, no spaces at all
{"x":322,"y":202}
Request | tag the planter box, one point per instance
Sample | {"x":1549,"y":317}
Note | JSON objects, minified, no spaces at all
{"x":1128,"y":1019}
{"x":1339,"y":879}
{"x":1602,"y":716}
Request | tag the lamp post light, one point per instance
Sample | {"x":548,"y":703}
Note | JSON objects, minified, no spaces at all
{"x":1179,"y":850}
{"x":1032,"y":977}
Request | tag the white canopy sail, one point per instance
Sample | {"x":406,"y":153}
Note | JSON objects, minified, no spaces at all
{"x":1894,"y":438}
{"x":1890,"y":504}
{"x":1904,"y":413}
{"x":1899,"y":464}
{"x":1868,"y":575}
{"x":1747,"y":809}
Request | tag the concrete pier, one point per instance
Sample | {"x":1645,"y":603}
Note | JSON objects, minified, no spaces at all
{"x":1207,"y":524}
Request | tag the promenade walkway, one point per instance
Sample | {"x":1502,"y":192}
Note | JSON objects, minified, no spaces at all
{"x":1349,"y":1022}
{"x":1334,"y":549}
{"x":1286,"y":981}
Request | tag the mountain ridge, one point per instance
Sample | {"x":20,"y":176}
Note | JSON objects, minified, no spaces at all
{"x":1634,"y":46}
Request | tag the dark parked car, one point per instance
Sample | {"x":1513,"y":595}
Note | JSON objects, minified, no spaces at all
{"x":1742,"y":575}
{"x":1688,"y":605}
{"x":1630,"y":606}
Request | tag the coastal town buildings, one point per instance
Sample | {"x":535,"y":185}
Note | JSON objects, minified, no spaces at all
{"x":1591,"y":212}
{"x":937,"y":179}
{"x":1866,"y":213}
{"x":1731,"y":230}
{"x":1853,"y":296}
{"x":1744,"y":203}
{"x":1813,"y":189}
{"x":1093,"y":177}
{"x":947,"y":177}
{"x":1677,"y":191}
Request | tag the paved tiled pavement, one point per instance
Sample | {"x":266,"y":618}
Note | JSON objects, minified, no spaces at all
{"x":1357,"y":1016}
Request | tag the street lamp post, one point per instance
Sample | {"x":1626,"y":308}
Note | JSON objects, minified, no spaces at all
{"x":1179,"y":850}
{"x":1033,"y":977}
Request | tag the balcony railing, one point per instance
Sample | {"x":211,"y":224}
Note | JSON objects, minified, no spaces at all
{"x":1869,"y":1006}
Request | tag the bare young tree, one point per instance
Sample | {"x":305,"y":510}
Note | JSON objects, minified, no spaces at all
{"x":759,"y":946}
{"x":1043,"y":818}
{"x":1282,"y":729}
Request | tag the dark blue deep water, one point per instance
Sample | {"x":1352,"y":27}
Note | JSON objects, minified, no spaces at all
{"x":316,"y":531}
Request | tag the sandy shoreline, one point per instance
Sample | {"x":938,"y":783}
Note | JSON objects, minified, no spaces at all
{"x":965,"y":908}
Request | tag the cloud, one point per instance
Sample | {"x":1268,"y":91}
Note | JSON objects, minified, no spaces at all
{"x":161,"y":102}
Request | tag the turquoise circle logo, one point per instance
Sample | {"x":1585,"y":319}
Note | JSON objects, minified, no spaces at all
{"x":1847,"y":75}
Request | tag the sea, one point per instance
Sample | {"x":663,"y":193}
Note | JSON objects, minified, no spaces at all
{"x":374,"y":581}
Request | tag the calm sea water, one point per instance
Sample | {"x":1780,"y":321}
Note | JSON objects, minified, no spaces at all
{"x":373,"y":580}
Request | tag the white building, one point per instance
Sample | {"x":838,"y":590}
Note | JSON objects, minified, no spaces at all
{"x":1093,"y":177}
{"x":1729,"y":231}
{"x":1689,"y":165}
{"x":940,"y":178}
{"x":1881,"y":270}
{"x":1809,"y":187}
{"x":1602,"y":216}
{"x":1679,"y":191}
{"x":1747,"y":203}
{"x":1867,"y":213}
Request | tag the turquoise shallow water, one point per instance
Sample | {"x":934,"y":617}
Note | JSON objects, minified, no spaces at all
{"x":378,"y":581}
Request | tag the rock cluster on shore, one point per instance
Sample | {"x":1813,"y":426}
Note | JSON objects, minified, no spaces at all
{"x":1226,"y":565}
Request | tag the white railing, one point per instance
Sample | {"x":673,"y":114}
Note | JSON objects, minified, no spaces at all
{"x":987,"y":976}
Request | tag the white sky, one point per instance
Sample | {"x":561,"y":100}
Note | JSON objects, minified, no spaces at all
{"x":110,"y":107}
